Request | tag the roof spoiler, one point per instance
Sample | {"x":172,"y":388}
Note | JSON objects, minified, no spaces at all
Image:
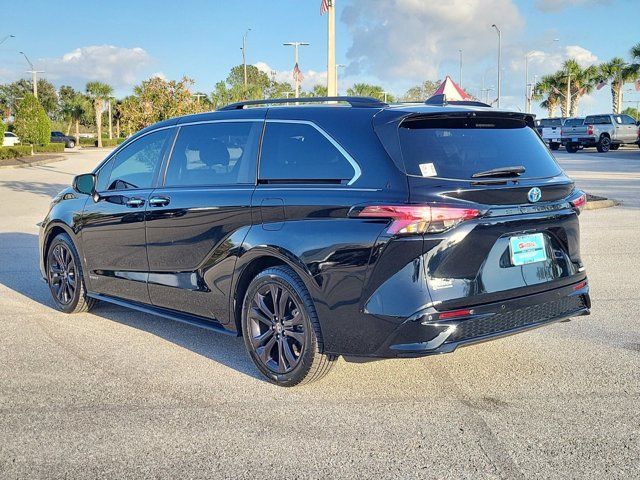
{"x":441,"y":100}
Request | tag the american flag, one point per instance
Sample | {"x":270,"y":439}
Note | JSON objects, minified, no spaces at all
{"x":638,"y":85}
{"x":297,"y":74}
{"x":601,"y":84}
{"x":324,"y":6}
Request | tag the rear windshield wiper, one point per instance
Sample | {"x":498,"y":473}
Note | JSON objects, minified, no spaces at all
{"x":501,"y":172}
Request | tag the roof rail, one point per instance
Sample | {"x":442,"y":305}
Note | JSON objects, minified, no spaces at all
{"x":441,"y":100}
{"x":365,"y":102}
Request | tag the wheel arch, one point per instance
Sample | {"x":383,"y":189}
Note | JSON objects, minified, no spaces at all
{"x":251,"y":263}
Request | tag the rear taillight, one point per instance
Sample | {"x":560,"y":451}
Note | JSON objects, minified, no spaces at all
{"x":579,"y":202}
{"x":589,"y":129}
{"x":407,"y":219}
{"x":455,"y":314}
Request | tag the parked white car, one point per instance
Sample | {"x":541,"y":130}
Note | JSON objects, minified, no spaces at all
{"x":10,"y":139}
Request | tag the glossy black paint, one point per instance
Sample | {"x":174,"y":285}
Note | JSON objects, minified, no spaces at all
{"x":188,"y":252}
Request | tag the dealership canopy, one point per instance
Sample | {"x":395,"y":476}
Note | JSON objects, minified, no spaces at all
{"x":451,"y":91}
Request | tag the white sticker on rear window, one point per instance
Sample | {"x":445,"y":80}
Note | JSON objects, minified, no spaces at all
{"x":428,"y":170}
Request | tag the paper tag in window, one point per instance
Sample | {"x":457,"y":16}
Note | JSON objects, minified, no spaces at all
{"x":428,"y":170}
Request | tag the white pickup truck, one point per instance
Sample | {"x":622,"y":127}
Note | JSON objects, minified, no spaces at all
{"x":605,"y":132}
{"x":550,"y":131}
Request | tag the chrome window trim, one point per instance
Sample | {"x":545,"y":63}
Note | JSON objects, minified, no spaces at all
{"x":345,"y":154}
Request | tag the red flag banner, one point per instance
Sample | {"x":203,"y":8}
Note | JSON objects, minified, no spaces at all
{"x":324,"y":6}
{"x":601,"y":84}
{"x":297,"y":74}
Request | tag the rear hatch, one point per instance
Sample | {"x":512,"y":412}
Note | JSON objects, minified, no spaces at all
{"x":574,"y":128}
{"x":550,"y":128}
{"x":522,"y":238}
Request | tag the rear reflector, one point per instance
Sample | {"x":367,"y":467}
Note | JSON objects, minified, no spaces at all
{"x":455,"y":314}
{"x":580,"y":286}
{"x":419,"y":218}
{"x":579,"y":202}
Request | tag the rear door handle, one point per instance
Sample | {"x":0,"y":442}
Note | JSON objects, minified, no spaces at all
{"x":134,"y":202}
{"x":159,"y":201}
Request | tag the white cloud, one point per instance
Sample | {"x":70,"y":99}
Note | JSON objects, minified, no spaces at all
{"x":311,"y":77}
{"x":405,"y":41}
{"x":118,"y":66}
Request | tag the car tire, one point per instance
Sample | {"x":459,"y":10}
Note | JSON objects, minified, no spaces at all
{"x":615,"y":146}
{"x":64,"y":276}
{"x":571,"y":148}
{"x":554,"y":146}
{"x":281,"y":329}
{"x":71,"y":144}
{"x":604,"y":144}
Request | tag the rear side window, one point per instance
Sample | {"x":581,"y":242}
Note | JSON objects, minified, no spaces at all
{"x":457,"y":148}
{"x":598,"y":120}
{"x":300,"y":152}
{"x":222,"y":153}
{"x":550,"y":122}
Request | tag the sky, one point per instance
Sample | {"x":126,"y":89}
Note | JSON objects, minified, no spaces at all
{"x":393,"y":43}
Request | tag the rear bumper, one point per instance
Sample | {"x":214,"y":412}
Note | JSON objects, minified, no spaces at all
{"x":425,"y":333}
{"x":583,"y":141}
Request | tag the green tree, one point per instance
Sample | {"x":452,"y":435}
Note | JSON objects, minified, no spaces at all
{"x":548,"y":90}
{"x":157,"y":99}
{"x":99,"y":93}
{"x":255,"y":77}
{"x":420,"y":93}
{"x":47,"y":95}
{"x":617,"y":72}
{"x":368,"y":90}
{"x":316,"y":91}
{"x":632,"y":112}
{"x":31,"y":123}
{"x":3,"y":128}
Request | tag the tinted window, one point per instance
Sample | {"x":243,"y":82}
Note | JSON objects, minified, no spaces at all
{"x":598,"y":120}
{"x":459,"y":147}
{"x":574,"y":122}
{"x":298,"y":151}
{"x":550,"y":122}
{"x":627,"y":120}
{"x":136,"y":164}
{"x":214,"y":154}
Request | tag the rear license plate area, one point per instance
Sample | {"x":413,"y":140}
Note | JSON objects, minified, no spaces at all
{"x":527,"y":249}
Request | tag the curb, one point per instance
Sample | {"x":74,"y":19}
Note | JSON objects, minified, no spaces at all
{"x":598,"y":204}
{"x":36,"y":163}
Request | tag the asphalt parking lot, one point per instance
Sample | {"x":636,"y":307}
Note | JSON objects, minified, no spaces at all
{"x":117,"y":393}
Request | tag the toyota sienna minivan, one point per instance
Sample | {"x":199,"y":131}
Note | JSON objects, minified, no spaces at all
{"x":349,"y":227}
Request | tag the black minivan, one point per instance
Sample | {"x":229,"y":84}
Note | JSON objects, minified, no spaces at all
{"x":351,"y":228}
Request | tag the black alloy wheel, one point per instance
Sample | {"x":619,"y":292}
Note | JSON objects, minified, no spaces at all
{"x":63,"y":274}
{"x":604,"y":144}
{"x":281,"y":329}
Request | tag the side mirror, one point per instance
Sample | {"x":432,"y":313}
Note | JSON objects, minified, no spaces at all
{"x":86,"y":184}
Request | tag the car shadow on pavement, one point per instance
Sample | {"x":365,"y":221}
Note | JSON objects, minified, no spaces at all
{"x":37,"y":188}
{"x":19,"y":272}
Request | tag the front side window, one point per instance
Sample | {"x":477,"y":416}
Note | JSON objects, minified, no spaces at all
{"x":299,"y":152}
{"x":136,"y":164}
{"x":222,"y":153}
{"x":627,"y":120}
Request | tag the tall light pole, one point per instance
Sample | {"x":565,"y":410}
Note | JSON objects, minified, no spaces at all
{"x":5,"y":38}
{"x":244,"y":57}
{"x":460,"y":76}
{"x":34,"y":75}
{"x":296,"y":78}
{"x":338,"y":65}
{"x":527,"y":95}
{"x":332,"y":81}
{"x":568,"y":95}
{"x":499,"y":61}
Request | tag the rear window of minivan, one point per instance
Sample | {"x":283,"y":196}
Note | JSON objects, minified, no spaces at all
{"x":458,"y":147}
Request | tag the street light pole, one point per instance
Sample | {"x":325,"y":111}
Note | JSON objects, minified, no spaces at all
{"x":568,"y":96}
{"x":332,"y":81}
{"x":5,"y":38}
{"x":499,"y":62}
{"x":460,"y":76}
{"x":34,"y":75}
{"x":295,"y":45}
{"x":527,"y":94}
{"x":338,"y":65}
{"x":244,"y":57}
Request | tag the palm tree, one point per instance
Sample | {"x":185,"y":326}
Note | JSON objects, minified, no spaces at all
{"x":583,"y":81}
{"x":99,"y":92}
{"x":548,"y":88}
{"x":617,"y":72}
{"x":635,"y":53}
